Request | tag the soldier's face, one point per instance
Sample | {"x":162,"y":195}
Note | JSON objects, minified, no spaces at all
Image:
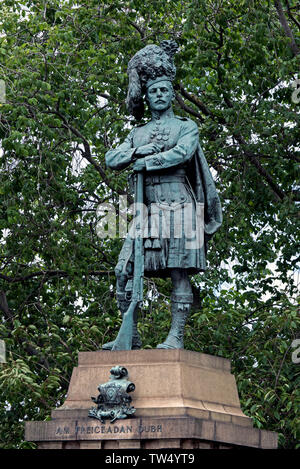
{"x":160,"y":95}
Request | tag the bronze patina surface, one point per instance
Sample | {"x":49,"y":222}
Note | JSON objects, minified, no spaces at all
{"x":113,"y":401}
{"x":182,"y":205}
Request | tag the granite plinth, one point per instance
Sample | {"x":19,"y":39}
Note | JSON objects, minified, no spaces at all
{"x":183,"y":399}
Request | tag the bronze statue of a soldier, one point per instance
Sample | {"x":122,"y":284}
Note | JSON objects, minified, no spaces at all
{"x":175,"y":176}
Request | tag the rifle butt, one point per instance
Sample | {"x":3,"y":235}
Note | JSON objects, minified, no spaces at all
{"x":124,"y":337}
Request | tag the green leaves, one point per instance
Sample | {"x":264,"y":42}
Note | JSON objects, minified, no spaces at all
{"x":65,"y":72}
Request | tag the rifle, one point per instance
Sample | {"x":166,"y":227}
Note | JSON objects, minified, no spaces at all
{"x":124,"y":337}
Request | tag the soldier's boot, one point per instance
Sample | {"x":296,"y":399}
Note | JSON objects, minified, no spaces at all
{"x":180,"y":312}
{"x":124,"y":304}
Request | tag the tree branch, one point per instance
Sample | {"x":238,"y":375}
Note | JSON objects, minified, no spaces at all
{"x":286,"y":28}
{"x":51,"y":273}
{"x":262,"y":171}
{"x":87,"y":151}
{"x":290,"y":14}
{"x":4,"y":307}
{"x":138,"y":28}
{"x":188,"y":108}
{"x":252,"y":157}
{"x":195,"y":100}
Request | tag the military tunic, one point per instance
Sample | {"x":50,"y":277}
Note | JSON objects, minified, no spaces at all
{"x":167,"y":244}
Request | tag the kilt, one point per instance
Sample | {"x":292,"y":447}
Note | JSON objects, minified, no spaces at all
{"x":173,"y":228}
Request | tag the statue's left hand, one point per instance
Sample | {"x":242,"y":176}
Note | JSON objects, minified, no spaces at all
{"x":139,"y":165}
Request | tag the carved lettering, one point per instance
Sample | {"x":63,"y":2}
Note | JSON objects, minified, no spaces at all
{"x":62,"y":431}
{"x":149,"y":428}
{"x":112,"y":429}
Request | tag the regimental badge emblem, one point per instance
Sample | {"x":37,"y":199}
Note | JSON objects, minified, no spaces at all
{"x":113,"y":401}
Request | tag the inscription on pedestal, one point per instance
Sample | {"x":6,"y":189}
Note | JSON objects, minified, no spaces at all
{"x":80,"y":431}
{"x":149,"y":432}
{"x":113,"y":429}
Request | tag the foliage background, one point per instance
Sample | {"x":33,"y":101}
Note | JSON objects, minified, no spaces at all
{"x":64,"y":66}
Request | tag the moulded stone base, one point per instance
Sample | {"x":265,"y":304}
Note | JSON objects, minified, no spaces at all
{"x":147,"y":433}
{"x":183,"y":399}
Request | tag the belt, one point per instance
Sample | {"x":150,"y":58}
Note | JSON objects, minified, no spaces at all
{"x":150,"y":180}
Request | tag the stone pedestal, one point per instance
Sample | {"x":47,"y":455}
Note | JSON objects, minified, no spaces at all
{"x":182,"y":399}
